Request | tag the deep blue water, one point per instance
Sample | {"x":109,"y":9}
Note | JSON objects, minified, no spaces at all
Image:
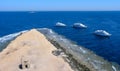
{"x":109,"y":48}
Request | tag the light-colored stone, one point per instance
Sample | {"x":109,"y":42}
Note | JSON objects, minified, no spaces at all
{"x":36,"y":50}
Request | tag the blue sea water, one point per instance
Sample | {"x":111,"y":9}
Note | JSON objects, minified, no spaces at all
{"x":108,"y":48}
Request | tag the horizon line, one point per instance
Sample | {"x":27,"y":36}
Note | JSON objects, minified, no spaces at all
{"x":53,"y":10}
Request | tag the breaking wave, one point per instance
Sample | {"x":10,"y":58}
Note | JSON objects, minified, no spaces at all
{"x":5,"y":40}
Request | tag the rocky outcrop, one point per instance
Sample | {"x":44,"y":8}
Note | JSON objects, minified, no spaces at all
{"x":31,"y":51}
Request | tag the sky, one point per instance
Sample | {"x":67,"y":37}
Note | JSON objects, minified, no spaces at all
{"x":59,"y":5}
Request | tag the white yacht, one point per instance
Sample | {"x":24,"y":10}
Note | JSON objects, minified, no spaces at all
{"x":102,"y":33}
{"x":59,"y":24}
{"x":32,"y":12}
{"x":79,"y":25}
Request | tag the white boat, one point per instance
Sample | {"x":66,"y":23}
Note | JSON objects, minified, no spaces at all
{"x":79,"y":25}
{"x":102,"y":33}
{"x":32,"y":12}
{"x":59,"y":24}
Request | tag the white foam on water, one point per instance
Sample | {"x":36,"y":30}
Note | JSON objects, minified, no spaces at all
{"x":82,"y":50}
{"x":80,"y":53}
{"x":114,"y":68}
{"x":10,"y":36}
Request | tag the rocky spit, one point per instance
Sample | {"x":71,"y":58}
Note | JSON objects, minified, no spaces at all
{"x":35,"y":51}
{"x":31,"y":51}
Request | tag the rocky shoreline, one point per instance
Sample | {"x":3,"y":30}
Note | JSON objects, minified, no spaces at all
{"x":83,"y":58}
{"x":36,"y":50}
{"x":75,"y":65}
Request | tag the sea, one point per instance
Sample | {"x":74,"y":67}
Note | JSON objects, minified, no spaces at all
{"x":12,"y":23}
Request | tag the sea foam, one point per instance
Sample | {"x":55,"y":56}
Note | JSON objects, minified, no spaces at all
{"x":81,"y":54}
{"x":5,"y":40}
